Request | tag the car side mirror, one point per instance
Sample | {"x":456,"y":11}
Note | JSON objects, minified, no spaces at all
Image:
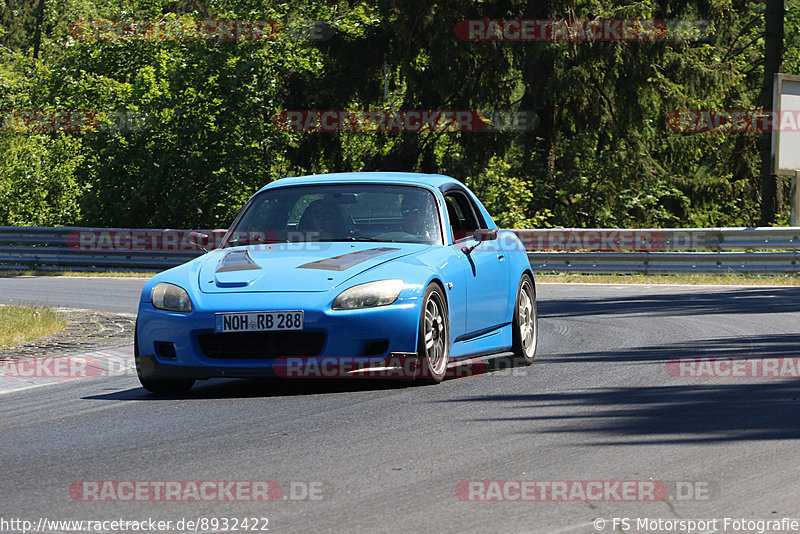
{"x":485,"y":235}
{"x":198,"y":240}
{"x":480,"y":236}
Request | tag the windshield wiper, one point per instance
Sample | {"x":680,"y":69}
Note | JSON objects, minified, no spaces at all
{"x":364,"y":238}
{"x":348,"y":238}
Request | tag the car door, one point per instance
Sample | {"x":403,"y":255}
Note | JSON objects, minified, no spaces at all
{"x":487,"y":271}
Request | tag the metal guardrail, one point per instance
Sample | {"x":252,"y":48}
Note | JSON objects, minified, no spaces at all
{"x":665,"y":262}
{"x":651,"y":251}
{"x":700,"y":250}
{"x":95,"y":249}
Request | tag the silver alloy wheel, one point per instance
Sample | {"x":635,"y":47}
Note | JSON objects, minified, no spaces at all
{"x":435,"y":331}
{"x":526,"y":319}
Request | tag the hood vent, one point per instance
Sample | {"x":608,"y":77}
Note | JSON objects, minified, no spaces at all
{"x":237,"y":261}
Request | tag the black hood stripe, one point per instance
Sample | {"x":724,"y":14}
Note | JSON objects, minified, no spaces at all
{"x":345,"y":261}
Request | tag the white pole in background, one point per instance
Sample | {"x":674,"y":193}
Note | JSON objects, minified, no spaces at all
{"x":786,"y":141}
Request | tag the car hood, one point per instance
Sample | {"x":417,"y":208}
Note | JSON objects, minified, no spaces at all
{"x":295,"y":267}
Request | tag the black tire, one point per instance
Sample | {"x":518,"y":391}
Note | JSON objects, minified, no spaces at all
{"x":433,"y":346}
{"x":151,"y":380}
{"x":525,"y":323}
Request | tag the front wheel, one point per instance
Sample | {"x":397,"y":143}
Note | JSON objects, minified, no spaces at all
{"x":151,"y":379}
{"x":434,"y":335}
{"x":526,"y":322}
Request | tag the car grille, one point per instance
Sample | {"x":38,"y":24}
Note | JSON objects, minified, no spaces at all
{"x":261,"y":345}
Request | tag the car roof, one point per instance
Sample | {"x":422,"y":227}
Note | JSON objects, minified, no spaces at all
{"x":411,"y":178}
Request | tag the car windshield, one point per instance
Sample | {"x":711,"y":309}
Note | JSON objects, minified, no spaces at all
{"x":339,"y":212}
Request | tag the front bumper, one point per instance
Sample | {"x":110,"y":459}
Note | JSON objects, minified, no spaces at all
{"x":383,"y":339}
{"x":394,"y":366}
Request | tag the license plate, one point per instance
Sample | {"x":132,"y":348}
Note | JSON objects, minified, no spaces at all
{"x":266,"y":321}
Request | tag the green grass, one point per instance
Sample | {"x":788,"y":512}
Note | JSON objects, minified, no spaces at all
{"x":684,"y":279}
{"x":687,"y":279}
{"x":23,"y":323}
{"x":101,"y":274}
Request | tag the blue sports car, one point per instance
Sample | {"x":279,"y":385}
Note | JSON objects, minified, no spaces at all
{"x":354,"y":274}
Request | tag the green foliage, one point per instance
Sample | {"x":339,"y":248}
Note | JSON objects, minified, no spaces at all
{"x":38,"y":182}
{"x":187,"y":130}
{"x":506,"y":196}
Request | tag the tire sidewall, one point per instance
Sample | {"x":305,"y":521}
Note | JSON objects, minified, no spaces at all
{"x":519,"y":353}
{"x":428,"y":373}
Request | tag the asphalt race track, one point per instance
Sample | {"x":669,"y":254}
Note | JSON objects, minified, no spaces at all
{"x":601,"y":403}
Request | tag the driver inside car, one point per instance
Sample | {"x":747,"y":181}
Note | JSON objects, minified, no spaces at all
{"x":322,"y":220}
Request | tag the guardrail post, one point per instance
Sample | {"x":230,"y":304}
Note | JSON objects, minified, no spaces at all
{"x":795,"y":199}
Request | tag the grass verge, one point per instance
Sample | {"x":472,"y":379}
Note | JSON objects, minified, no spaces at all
{"x":23,"y":323}
{"x":100,"y":274}
{"x":731,"y":279}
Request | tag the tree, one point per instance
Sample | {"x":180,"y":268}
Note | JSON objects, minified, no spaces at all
{"x":771,"y":185}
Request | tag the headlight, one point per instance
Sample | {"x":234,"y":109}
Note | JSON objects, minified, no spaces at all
{"x":171,"y":298}
{"x":369,"y":295}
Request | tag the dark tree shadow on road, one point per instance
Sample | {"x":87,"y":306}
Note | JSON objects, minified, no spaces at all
{"x":694,"y":410}
{"x":761,"y":346}
{"x":264,"y":387}
{"x":711,"y":301}
{"x":702,"y":413}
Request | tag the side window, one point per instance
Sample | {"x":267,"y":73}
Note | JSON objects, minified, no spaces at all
{"x":464,"y":218}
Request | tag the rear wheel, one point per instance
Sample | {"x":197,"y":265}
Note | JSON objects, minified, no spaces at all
{"x":526,"y":322}
{"x":151,"y":379}
{"x":434,"y":335}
